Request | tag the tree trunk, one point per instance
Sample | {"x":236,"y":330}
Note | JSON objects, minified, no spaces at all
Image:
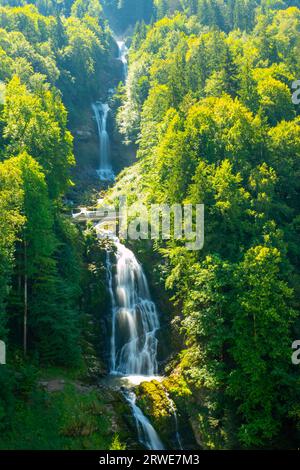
{"x":25,"y":300}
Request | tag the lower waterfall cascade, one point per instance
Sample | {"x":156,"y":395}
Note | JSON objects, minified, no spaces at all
{"x":147,"y":435}
{"x":134,"y":317}
{"x":134,"y":324}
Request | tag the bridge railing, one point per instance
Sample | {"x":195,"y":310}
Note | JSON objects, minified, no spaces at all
{"x":94,"y":215}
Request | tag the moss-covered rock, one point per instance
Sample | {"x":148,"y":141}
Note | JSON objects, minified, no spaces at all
{"x":205,"y":425}
{"x":155,"y":404}
{"x":152,"y":397}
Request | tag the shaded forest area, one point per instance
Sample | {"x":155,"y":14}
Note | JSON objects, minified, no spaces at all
{"x":51,"y":66}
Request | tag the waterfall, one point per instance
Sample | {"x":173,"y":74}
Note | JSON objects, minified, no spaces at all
{"x":173,"y":409}
{"x":134,"y":317}
{"x":123,"y":52}
{"x":101,"y":113}
{"x":101,"y":110}
{"x":133,"y":344}
{"x":146,"y":432}
{"x":134,"y":326}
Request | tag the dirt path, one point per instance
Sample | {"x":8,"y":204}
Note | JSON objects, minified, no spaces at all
{"x":58,"y":385}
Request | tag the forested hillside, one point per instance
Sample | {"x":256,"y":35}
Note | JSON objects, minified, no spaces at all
{"x":207,"y":108}
{"x":123,"y":14}
{"x":212,"y":111}
{"x":47,"y":63}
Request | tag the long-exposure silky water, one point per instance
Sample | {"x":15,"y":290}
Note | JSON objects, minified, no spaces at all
{"x":146,"y":432}
{"x":104,"y":171}
{"x":123,"y":53}
{"x":134,"y":317}
{"x":135,"y":322}
{"x":101,"y":111}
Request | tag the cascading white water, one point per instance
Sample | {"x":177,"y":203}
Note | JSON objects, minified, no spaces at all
{"x":123,"y":52}
{"x":101,"y":110}
{"x":134,"y":326}
{"x":134,"y":317}
{"x":101,"y":113}
{"x":146,"y":432}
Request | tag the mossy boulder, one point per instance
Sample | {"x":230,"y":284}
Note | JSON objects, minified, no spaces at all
{"x":155,"y":404}
{"x":201,"y":424}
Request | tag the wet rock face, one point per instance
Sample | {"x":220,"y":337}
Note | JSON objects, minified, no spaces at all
{"x":83,"y":135}
{"x":122,"y":421}
{"x":160,"y":405}
{"x":153,"y":401}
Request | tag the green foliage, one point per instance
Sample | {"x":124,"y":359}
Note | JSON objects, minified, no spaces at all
{"x":68,"y":51}
{"x":7,"y":399}
{"x":51,"y":54}
{"x":36,"y":123}
{"x":41,"y":252}
{"x":222,"y":14}
{"x":11,"y":221}
{"x":80,"y":8}
{"x":67,"y":419}
{"x":261,"y":324}
{"x":208,"y":102}
{"x":210,"y":107}
{"x":125,"y":13}
{"x":116,"y":444}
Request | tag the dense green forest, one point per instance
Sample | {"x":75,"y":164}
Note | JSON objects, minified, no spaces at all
{"x":48,"y":63}
{"x":208,"y":106}
{"x":212,"y":111}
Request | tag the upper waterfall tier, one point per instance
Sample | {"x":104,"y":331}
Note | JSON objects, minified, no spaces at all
{"x":123,"y":53}
{"x":105,"y":171}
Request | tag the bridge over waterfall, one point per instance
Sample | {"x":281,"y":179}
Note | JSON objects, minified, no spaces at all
{"x":99,"y":216}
